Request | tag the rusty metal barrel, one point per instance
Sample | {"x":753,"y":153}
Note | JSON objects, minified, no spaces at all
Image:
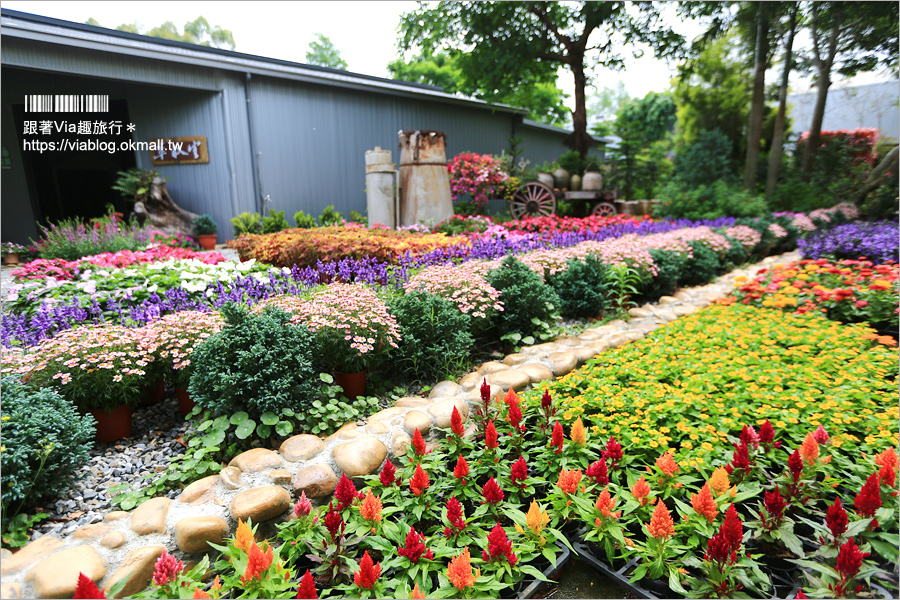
{"x":423,"y":178}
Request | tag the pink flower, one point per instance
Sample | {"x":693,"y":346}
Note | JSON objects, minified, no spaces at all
{"x":167,"y":569}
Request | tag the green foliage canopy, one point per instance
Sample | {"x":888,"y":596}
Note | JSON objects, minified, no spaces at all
{"x":323,"y":53}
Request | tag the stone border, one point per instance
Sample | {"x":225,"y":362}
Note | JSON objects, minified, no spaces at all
{"x":262,"y":484}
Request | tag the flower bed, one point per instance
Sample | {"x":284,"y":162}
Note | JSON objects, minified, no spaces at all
{"x":875,"y":241}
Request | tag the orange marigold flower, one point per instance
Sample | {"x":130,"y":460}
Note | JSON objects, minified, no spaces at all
{"x":661,"y":526}
{"x":459,"y":572}
{"x":809,"y":450}
{"x":666,"y":464}
{"x":888,"y":457}
{"x":704,"y":504}
{"x":640,"y":490}
{"x":605,"y":504}
{"x":419,"y":482}
{"x":370,"y":509}
{"x":243,"y":536}
{"x":568,"y":480}
{"x":257,"y":562}
{"x":719,"y":482}
{"x":578,"y":433}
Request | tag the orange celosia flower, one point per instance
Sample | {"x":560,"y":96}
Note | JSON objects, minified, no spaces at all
{"x":704,"y":504}
{"x":661,"y":526}
{"x":666,"y":464}
{"x":460,"y":571}
{"x":416,"y":593}
{"x":888,"y":457}
{"x":510,"y":397}
{"x":605,"y":504}
{"x":257,"y":562}
{"x":578,"y":433}
{"x":568,"y":480}
{"x":719,"y":482}
{"x":640,"y":490}
{"x":370,"y":509}
{"x":536,"y":518}
{"x":809,"y":450}
{"x":243,"y":536}
{"x":199,"y":594}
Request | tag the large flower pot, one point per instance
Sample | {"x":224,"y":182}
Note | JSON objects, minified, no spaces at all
{"x":112,"y":425}
{"x":207,"y":242}
{"x":11,"y":258}
{"x":353,"y":384}
{"x":154,"y":394}
{"x":185,"y":403}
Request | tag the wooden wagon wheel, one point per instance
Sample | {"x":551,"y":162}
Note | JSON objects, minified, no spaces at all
{"x":604,"y":209}
{"x":532,"y":199}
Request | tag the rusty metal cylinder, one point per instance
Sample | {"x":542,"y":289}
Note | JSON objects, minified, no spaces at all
{"x":423,"y":178}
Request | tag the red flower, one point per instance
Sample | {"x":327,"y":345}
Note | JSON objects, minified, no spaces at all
{"x":419,"y":444}
{"x":740,"y":460}
{"x":455,"y":514}
{"x":836,"y":519}
{"x":557,"y":438}
{"x":419,"y":482}
{"x":718,"y":550}
{"x":613,"y":453}
{"x":598,"y":472}
{"x":166,"y":569}
{"x":344,"y":493}
{"x":821,"y":436}
{"x":546,"y":402}
{"x":849,"y":561}
{"x":515,"y":414}
{"x":492,"y":492}
{"x":661,"y":525}
{"x":499,"y":546}
{"x":888,"y":476}
{"x":415,"y":547}
{"x":387,"y":474}
{"x":461,"y":470}
{"x":307,"y":589}
{"x":485,"y":395}
{"x":334,"y":523}
{"x":86,"y":588}
{"x":368,"y":573}
{"x":733,"y":529}
{"x":868,"y":500}
{"x":456,"y":424}
{"x":767,"y":436}
{"x":801,"y":596}
{"x":749,"y":436}
{"x":795,"y":466}
{"x":490,"y":435}
{"x":775,"y":506}
{"x":519,"y":471}
{"x":257,"y":562}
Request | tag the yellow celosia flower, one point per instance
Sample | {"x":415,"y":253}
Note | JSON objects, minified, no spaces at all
{"x":578,"y":432}
{"x":719,"y":481}
{"x":536,"y":518}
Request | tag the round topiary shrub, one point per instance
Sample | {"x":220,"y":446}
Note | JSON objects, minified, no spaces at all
{"x":671,"y":266}
{"x":703,"y":267}
{"x":258,"y":363}
{"x":582,"y":287}
{"x":45,"y":443}
{"x":435,"y":334}
{"x":529,"y":304}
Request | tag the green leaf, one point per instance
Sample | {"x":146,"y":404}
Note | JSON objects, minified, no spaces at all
{"x":326,"y":378}
{"x":245,"y":428}
{"x":239,"y":417}
{"x":534,"y":573}
{"x":263,"y":430}
{"x":268,"y":418}
{"x":284,"y":428}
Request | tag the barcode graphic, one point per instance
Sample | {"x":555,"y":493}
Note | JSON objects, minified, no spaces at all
{"x":66,"y":103}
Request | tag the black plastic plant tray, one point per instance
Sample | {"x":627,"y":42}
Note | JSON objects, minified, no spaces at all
{"x":531,"y":587}
{"x":618,"y":575}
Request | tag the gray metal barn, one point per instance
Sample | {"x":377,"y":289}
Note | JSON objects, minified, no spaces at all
{"x":291,"y":133}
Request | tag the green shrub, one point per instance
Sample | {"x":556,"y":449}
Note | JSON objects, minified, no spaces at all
{"x":678,"y":201}
{"x":330,"y":216}
{"x":246,"y":223}
{"x":205,"y":225}
{"x":529,"y":304}
{"x":703,"y":267}
{"x":582,"y":287}
{"x":736,"y":255}
{"x":767,"y":238}
{"x":258,"y":363}
{"x":671,"y":266}
{"x":705,"y":161}
{"x":45,"y":443}
{"x":435,"y":335}
{"x":274,"y":222}
{"x":303,"y":220}
{"x":789,"y":242}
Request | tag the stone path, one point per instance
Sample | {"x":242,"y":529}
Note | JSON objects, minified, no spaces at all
{"x":262,"y":484}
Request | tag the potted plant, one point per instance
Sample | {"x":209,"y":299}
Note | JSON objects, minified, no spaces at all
{"x":11,"y":253}
{"x":205,"y":229}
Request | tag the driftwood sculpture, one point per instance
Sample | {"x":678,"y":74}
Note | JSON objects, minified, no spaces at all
{"x":162,"y":212}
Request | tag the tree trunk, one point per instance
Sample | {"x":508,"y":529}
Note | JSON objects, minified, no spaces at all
{"x":822,"y":84}
{"x":878,"y":175}
{"x":579,"y":140}
{"x":758,"y":103}
{"x":164,"y":215}
{"x":780,"y":118}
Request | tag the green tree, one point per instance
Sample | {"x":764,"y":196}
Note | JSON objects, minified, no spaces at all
{"x":603,"y":105}
{"x":198,"y":31}
{"x":543,"y":100}
{"x":776,"y":151}
{"x":323,"y":53}
{"x":641,"y":123}
{"x":504,"y":44}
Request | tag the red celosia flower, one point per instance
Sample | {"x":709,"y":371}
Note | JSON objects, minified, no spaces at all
{"x":795,"y":466}
{"x":598,"y":472}
{"x":888,"y":476}
{"x":257,"y":562}
{"x":86,"y":588}
{"x":456,"y":423}
{"x":461,"y":470}
{"x":568,"y":480}
{"x":334,"y":523}
{"x":801,"y":596}
{"x":661,"y":526}
{"x":344,"y":493}
{"x":557,"y":439}
{"x":455,"y":514}
{"x":515,"y":412}
{"x":849,"y":561}
{"x":767,"y":436}
{"x":836,"y":519}
{"x":821,"y":436}
{"x":419,"y":482}
{"x":167,"y":569}
{"x":749,"y":436}
{"x":387,"y":474}
{"x":307,"y":589}
{"x":740,"y":460}
{"x":490,"y":435}
{"x":492,"y":492}
{"x":303,"y":506}
{"x":485,"y":395}
{"x":368,"y":573}
{"x":415,"y":547}
{"x":888,"y":457}
{"x":546,"y":402}
{"x":667,"y":464}
{"x":733,"y":529}
{"x":868,"y":500}
{"x":775,"y":505}
{"x":418,"y":443}
{"x":704,"y":504}
{"x":519,"y":471}
{"x":718,"y":550}
{"x":499,"y":546}
{"x":613,"y":453}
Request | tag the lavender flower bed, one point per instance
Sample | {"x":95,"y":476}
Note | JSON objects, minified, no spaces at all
{"x":878,"y":242}
{"x":49,"y":320}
